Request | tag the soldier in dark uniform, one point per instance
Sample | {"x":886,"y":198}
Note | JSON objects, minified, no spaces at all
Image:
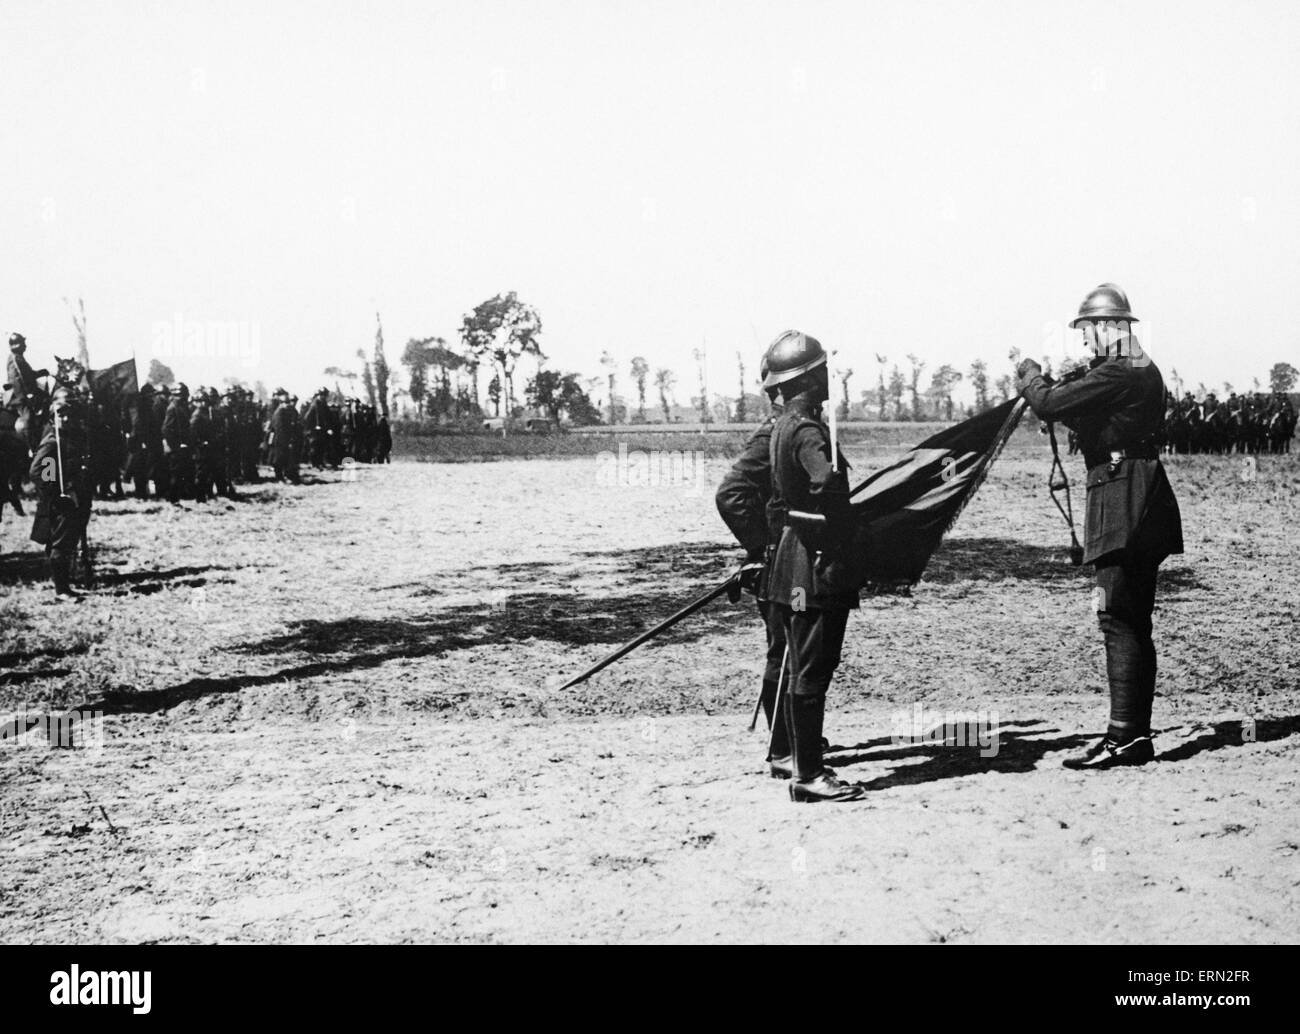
{"x":24,"y":396}
{"x":65,"y":487}
{"x":161,"y":461}
{"x":1132,"y":520}
{"x":201,"y":429}
{"x":143,"y":436}
{"x":178,"y":444}
{"x":108,"y":444}
{"x":742,"y":502}
{"x":250,"y":423}
{"x":810,"y":578}
{"x":383,"y":440}
{"x":348,"y":420}
{"x":318,"y":424}
{"x":283,"y":439}
{"x":217,"y":458}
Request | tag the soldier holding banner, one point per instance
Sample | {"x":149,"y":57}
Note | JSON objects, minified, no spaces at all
{"x":1132,"y":521}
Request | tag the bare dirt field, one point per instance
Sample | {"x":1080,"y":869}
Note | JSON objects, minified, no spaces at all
{"x":331,"y":714}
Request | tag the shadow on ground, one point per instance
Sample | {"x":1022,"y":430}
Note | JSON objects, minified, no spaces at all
{"x":992,"y":559}
{"x":1021,"y":751}
{"x":1222,"y":735}
{"x":622,"y":593}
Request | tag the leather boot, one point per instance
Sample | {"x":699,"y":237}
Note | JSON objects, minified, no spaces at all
{"x":812,"y":781}
{"x":806,"y":714}
{"x":1109,"y":752}
{"x":61,"y":576}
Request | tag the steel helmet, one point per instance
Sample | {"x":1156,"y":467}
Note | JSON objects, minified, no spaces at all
{"x":763,"y":370}
{"x":1105,"y":302}
{"x":17,"y":339}
{"x":791,"y":355}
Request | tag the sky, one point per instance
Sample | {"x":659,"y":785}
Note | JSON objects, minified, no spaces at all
{"x":941,"y":179}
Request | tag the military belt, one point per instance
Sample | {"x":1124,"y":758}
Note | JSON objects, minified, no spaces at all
{"x":1134,"y":452}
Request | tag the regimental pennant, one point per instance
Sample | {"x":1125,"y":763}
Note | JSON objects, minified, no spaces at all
{"x":119,"y":379}
{"x":904,"y":510}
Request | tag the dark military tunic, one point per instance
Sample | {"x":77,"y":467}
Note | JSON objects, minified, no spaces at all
{"x":178,"y":436}
{"x":744,"y":491}
{"x":65,"y":489}
{"x":22,"y":382}
{"x":811,"y":567}
{"x":283,"y":438}
{"x":144,"y":444}
{"x":1117,"y":409}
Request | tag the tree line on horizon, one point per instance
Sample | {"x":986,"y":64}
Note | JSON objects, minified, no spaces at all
{"x":445,"y":383}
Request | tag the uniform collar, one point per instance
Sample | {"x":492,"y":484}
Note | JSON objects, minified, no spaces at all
{"x":802,"y":405}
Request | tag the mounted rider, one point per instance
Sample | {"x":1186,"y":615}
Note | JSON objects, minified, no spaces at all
{"x":24,"y":395}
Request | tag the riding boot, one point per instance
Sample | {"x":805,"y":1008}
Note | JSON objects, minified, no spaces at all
{"x":806,"y":716}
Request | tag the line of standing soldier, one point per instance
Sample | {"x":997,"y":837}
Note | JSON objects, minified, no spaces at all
{"x":193,"y":448}
{"x":200,"y":447}
{"x":196,"y":447}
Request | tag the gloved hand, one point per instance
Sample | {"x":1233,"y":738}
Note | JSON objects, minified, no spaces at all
{"x":750,"y":575}
{"x":1026,"y":369}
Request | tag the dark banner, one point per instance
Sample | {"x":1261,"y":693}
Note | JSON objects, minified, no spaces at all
{"x":904,"y":510}
{"x":118,"y":379}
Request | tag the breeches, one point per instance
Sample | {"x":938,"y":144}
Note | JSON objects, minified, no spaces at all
{"x":816,"y":638}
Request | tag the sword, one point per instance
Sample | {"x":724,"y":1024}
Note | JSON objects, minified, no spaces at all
{"x":732,"y":584}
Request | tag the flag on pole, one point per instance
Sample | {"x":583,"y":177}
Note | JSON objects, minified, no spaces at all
{"x":904,"y":510}
{"x":118,"y":379}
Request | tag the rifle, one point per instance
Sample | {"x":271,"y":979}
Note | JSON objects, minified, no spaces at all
{"x":730,"y":588}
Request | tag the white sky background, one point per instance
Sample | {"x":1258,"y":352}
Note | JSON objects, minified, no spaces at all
{"x":939,"y":178}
